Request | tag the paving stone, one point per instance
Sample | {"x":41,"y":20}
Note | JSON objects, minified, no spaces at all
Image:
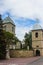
{"x":19,"y":61}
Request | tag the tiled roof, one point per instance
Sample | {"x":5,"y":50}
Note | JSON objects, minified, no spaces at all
{"x":37,"y":27}
{"x":8,"y":20}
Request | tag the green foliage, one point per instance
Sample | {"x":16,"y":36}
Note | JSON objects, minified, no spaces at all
{"x":16,"y":39}
{"x":2,"y":41}
{"x":9,"y":36}
{"x":28,"y":40}
{"x":6,"y":38}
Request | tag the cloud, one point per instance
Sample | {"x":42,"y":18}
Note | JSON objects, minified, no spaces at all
{"x":20,"y":31}
{"x":21,"y":11}
{"x":23,"y":25}
{"x":23,"y":8}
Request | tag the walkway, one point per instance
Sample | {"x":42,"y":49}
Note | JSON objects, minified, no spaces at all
{"x":37,"y":62}
{"x":18,"y":61}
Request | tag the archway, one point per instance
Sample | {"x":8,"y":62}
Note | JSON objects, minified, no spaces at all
{"x":37,"y":52}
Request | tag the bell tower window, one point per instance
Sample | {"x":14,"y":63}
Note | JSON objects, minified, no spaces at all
{"x":36,"y":34}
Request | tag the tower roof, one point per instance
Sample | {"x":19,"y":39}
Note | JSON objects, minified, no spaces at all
{"x":37,"y":27}
{"x":8,"y":20}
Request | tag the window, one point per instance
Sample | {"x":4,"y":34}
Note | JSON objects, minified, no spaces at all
{"x":37,"y":46}
{"x":36,"y":34}
{"x":12,"y":29}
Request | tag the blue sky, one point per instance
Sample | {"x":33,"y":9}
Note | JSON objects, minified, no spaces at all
{"x":24,"y":14}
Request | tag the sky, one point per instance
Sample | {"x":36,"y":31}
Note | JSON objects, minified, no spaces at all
{"x":24,"y":14}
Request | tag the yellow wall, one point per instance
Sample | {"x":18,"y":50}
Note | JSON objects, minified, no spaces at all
{"x":21,"y":53}
{"x":37,"y":41}
{"x":40,"y":37}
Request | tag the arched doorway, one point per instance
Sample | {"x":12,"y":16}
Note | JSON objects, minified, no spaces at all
{"x":37,"y":52}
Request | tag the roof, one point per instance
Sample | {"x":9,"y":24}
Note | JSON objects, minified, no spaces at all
{"x":8,"y":20}
{"x":37,"y":27}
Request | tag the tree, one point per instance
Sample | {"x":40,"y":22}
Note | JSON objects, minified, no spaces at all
{"x":16,"y":39}
{"x":8,"y":37}
{"x":28,"y":40}
{"x":2,"y":41}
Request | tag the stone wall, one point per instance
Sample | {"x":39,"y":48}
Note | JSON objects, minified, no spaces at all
{"x":20,"y":53}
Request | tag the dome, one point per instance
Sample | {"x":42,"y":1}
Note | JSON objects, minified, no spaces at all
{"x":37,"y":27}
{"x":8,"y":20}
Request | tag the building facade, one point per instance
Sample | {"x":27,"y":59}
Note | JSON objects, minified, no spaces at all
{"x":9,"y":25}
{"x":37,"y":40}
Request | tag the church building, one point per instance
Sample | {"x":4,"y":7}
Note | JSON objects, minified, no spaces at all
{"x":9,"y":25}
{"x":37,"y":40}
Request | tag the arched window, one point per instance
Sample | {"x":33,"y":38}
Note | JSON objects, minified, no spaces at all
{"x":36,"y":34}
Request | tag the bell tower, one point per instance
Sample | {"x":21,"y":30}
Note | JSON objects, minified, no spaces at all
{"x":37,"y":40}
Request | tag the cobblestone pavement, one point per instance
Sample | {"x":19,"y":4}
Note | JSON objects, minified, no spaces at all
{"x":18,"y":61}
{"x":37,"y":62}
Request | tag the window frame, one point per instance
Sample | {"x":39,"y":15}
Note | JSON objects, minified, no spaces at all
{"x":36,"y":34}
